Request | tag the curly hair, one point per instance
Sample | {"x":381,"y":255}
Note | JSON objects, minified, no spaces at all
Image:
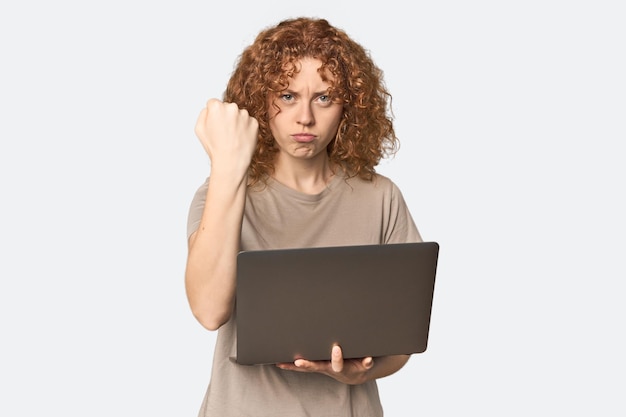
{"x":365,"y":133}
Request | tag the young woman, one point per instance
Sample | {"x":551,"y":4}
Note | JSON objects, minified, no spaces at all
{"x":293,"y":147}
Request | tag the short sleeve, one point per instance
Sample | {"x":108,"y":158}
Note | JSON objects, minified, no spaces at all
{"x":401,"y":227}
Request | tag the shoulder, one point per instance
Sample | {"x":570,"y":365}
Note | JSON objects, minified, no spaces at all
{"x":378,"y":182}
{"x":383,"y":181}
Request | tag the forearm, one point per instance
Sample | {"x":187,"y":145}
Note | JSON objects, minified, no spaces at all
{"x":210,"y":276}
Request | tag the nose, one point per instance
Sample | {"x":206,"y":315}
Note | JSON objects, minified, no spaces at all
{"x":305,"y":114}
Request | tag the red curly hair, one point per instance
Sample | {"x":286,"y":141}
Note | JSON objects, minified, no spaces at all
{"x":365,"y":133}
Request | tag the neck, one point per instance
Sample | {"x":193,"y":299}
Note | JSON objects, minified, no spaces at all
{"x":308,"y":178}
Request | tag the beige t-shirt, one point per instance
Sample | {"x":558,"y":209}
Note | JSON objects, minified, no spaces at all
{"x":348,"y":212}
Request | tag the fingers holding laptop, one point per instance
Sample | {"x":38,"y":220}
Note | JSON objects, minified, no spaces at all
{"x":337,"y":362}
{"x":348,"y":371}
{"x":336,"y":359}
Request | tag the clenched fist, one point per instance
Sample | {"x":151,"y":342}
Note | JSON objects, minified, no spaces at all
{"x":228,"y":135}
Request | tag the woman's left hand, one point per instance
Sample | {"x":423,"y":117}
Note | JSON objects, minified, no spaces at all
{"x":348,"y":371}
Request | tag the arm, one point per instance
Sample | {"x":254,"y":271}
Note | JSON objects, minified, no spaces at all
{"x":228,"y":135}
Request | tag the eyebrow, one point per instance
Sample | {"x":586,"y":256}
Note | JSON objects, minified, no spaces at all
{"x":315,"y":94}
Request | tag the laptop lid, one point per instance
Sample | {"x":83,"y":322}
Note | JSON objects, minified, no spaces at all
{"x":372,"y":300}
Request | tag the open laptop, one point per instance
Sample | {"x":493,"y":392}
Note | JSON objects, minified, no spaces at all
{"x":372,"y":300}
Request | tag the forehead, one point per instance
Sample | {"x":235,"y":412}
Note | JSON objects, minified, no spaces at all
{"x":307,"y":70}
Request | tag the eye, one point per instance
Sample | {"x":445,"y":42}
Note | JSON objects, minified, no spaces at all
{"x":325,"y":100}
{"x":286,"y":97}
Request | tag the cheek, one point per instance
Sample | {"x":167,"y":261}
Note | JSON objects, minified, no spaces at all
{"x":337,"y":117}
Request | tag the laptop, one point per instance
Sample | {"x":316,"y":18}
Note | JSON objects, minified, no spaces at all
{"x":372,"y":300}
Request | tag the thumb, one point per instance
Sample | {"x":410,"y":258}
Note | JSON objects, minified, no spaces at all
{"x":336,"y":359}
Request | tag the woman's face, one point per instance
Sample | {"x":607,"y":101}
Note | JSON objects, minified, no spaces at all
{"x":307,"y":119}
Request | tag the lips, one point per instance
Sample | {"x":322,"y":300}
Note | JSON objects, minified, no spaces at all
{"x":303,"y":138}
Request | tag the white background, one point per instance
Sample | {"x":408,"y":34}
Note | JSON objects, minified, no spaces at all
{"x":512,"y":122}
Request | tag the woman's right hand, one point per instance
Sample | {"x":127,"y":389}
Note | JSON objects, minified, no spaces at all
{"x":228,"y":135}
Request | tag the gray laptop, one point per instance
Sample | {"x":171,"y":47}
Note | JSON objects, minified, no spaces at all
{"x":372,"y":300}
